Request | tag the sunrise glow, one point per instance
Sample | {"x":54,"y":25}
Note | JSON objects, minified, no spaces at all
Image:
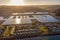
{"x":17,"y":2}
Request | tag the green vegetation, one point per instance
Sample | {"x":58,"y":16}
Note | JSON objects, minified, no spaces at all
{"x":43,"y":29}
{"x":8,"y":31}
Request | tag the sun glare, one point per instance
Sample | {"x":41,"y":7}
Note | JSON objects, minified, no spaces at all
{"x":17,"y":2}
{"x":18,"y":21}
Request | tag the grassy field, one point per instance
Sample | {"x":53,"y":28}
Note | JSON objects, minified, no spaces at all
{"x":8,"y":31}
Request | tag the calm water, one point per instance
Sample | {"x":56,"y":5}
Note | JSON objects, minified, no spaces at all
{"x":57,"y":37}
{"x":54,"y":37}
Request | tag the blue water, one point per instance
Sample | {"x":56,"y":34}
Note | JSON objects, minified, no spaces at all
{"x":57,"y":37}
{"x":54,"y":37}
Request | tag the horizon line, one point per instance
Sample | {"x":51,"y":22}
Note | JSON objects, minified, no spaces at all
{"x":28,"y":5}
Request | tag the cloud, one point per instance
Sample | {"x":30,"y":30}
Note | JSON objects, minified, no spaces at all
{"x":4,"y":1}
{"x":34,"y":1}
{"x":43,"y":1}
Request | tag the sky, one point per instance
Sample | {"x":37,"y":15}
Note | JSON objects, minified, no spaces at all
{"x":30,"y":2}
